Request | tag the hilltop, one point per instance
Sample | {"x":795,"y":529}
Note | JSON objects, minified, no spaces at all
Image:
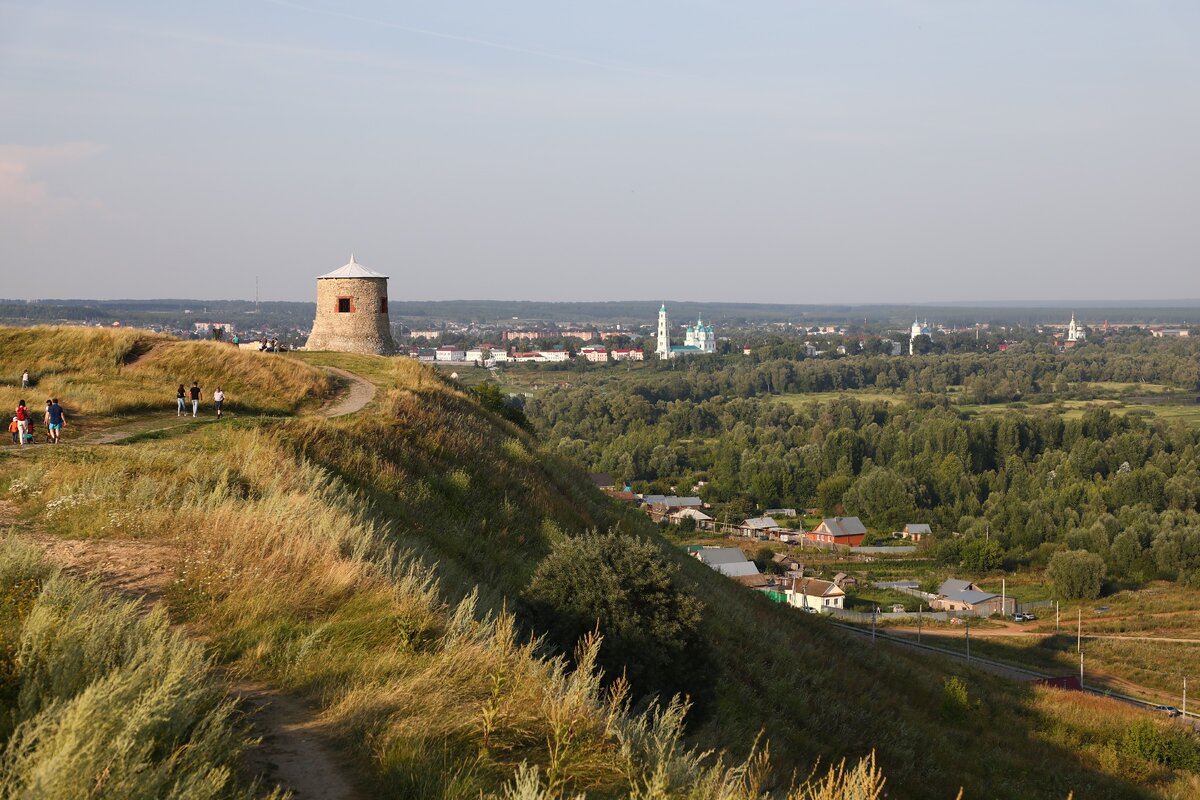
{"x":374,"y":566}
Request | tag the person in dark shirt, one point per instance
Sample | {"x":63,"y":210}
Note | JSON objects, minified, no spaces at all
{"x":195,"y":397}
{"x":179,"y":401}
{"x":56,"y":417}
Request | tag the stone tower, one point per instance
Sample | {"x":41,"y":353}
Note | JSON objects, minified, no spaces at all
{"x":352,"y":312}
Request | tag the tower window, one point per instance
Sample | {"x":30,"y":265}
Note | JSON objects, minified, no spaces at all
{"x":383,"y":305}
{"x":343,"y":305}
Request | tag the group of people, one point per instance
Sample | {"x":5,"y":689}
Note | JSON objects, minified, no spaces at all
{"x":21,"y":426}
{"x":182,"y":396}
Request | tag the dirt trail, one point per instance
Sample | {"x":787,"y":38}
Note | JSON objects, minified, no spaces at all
{"x":361,"y":392}
{"x":293,"y":752}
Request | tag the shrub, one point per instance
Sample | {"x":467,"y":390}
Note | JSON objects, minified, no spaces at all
{"x":982,"y":555}
{"x":956,"y":704}
{"x":623,"y":586}
{"x":1076,"y":574}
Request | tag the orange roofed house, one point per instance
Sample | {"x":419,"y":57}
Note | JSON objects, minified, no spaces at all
{"x":847,"y":531}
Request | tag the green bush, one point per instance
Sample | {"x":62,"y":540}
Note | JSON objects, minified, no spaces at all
{"x":1076,"y":574}
{"x":624,"y":587}
{"x":956,"y":704}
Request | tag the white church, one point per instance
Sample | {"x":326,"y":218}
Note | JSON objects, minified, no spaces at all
{"x":918,"y":330}
{"x":698,"y":338}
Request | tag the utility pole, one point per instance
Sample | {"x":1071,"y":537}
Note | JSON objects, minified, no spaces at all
{"x":874,"y":611}
{"x":1003,"y":598}
{"x":1079,"y":633}
{"x":921,"y":615}
{"x":1081,"y":670}
{"x":1184,"y":698}
{"x":1057,"y":617}
{"x":968,"y":640}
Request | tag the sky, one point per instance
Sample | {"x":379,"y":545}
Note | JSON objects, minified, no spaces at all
{"x":804,"y":152}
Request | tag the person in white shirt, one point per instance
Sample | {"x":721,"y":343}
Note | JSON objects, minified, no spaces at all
{"x":219,"y":400}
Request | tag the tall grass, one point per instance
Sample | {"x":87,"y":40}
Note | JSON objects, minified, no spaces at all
{"x":99,"y":701}
{"x":366,"y":563}
{"x":113,"y":371}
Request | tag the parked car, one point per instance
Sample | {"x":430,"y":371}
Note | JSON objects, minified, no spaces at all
{"x":1170,"y":711}
{"x":1021,"y":616}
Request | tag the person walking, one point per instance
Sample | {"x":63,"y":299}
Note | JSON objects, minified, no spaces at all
{"x":180,"y":396}
{"x":56,"y":419}
{"x":195,"y":397}
{"x":25,"y":379}
{"x":22,"y":415}
{"x":15,"y":431}
{"x":46,"y":420}
{"x":219,"y":400}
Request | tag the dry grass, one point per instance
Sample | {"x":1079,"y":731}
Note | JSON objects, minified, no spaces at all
{"x":102,"y":371}
{"x":100,"y":701}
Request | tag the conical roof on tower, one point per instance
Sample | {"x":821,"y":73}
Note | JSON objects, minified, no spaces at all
{"x":352,"y":269}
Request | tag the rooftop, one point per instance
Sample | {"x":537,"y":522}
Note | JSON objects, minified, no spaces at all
{"x":352,"y":269}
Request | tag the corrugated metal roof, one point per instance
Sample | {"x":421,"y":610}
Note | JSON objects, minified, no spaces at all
{"x":352,"y":269}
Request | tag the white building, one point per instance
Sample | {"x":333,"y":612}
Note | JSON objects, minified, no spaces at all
{"x":595,"y":352}
{"x":701,"y":337}
{"x":451,"y":352}
{"x":554,"y":355}
{"x":627,"y":354}
{"x":917,"y":330}
{"x":698,"y":338}
{"x":815,"y":593}
{"x":1075,"y":332}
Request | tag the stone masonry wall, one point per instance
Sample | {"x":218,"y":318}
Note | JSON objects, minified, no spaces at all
{"x":364,"y":330}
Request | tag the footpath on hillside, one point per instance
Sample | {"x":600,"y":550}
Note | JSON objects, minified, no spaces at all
{"x":294,"y":752}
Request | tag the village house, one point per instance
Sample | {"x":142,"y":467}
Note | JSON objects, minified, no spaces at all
{"x":964,"y":596}
{"x":703,"y":521}
{"x":780,"y":512}
{"x":758,"y":527}
{"x":815,"y":593}
{"x":791,"y":566}
{"x":913,"y":531}
{"x":846,"y":531}
{"x":842,"y":580}
{"x":729,"y":561}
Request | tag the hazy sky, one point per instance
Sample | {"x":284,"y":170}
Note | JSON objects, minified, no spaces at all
{"x":753,"y":151}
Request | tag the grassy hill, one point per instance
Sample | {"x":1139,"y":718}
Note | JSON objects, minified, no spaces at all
{"x":372,"y":564}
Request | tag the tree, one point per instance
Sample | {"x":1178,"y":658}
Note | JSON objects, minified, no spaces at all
{"x":624,"y":587}
{"x":982,"y":555}
{"x":1076,"y":574}
{"x":882,"y":497}
{"x":490,"y":397}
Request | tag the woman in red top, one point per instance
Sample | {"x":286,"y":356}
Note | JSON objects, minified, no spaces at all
{"x":22,"y":422}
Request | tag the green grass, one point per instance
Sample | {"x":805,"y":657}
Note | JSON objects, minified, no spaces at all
{"x":98,"y":700}
{"x":801,"y":400}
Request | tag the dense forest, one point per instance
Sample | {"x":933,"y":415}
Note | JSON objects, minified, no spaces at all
{"x":1018,"y":484}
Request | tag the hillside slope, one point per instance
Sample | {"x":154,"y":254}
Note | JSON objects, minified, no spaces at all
{"x":370,"y":562}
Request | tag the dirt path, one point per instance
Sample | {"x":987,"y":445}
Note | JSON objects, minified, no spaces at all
{"x":361,"y":392}
{"x":293,"y":752}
